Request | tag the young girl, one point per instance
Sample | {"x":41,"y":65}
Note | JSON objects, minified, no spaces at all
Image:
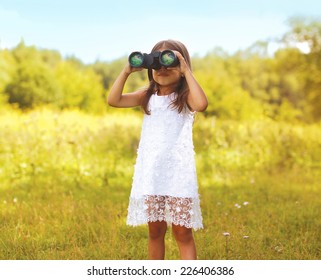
{"x":164,"y":190}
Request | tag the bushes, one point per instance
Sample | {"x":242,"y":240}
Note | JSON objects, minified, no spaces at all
{"x":43,"y":142}
{"x":33,"y":78}
{"x":231,"y":146}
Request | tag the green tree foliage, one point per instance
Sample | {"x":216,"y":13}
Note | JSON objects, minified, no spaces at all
{"x":108,"y":72}
{"x":33,"y":83}
{"x":42,"y":77}
{"x":269,"y":80}
{"x":307,"y":32}
{"x":249,"y":84}
{"x":80,"y":88}
{"x":219,"y":76}
{"x":304,"y":30}
{"x":7,"y":70}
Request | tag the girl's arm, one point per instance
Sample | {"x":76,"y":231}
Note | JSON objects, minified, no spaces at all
{"x":116,"y":98}
{"x":196,"y":99}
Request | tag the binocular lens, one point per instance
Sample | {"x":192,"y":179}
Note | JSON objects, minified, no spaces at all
{"x":154,"y":60}
{"x":136,"y":59}
{"x":167,"y":58}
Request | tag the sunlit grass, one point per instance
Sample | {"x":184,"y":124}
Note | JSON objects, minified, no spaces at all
{"x":66,"y":177}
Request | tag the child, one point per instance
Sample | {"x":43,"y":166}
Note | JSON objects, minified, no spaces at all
{"x":164,"y":190}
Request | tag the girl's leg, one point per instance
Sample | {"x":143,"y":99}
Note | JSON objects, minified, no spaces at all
{"x":156,"y":240}
{"x":185,"y":241}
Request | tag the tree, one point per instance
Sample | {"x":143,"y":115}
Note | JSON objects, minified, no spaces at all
{"x":308,"y":31}
{"x":217,"y":74}
{"x":7,"y":69}
{"x":80,"y":88}
{"x":304,"y":30}
{"x":108,"y":73}
{"x":32,"y":83}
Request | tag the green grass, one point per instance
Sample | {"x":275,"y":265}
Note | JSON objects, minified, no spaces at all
{"x":65,"y":179}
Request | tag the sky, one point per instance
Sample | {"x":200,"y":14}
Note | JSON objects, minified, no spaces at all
{"x":106,"y":30}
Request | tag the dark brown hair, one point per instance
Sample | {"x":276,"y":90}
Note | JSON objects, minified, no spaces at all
{"x":180,"y":101}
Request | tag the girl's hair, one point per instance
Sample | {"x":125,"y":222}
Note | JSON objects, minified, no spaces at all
{"x":180,"y":101}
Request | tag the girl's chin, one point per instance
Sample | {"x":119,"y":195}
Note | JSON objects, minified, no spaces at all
{"x":166,"y":83}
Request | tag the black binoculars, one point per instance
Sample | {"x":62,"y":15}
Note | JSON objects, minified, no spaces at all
{"x":154,"y":60}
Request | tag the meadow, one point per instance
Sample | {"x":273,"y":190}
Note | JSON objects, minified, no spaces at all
{"x":65,"y":179}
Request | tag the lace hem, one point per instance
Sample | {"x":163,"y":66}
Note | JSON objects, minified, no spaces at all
{"x":181,"y":211}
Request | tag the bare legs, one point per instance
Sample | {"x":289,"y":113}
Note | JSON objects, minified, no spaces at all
{"x":156,"y":241}
{"x":185,"y":241}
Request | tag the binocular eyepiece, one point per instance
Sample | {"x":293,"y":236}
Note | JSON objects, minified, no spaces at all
{"x":154,"y":60}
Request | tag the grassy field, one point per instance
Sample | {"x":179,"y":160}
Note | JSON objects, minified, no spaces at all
{"x":65,"y":179}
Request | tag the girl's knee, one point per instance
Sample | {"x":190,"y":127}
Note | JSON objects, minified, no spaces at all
{"x":157,"y":230}
{"x":182,"y":234}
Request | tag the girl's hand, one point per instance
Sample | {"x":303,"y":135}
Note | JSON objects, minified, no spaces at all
{"x":129,"y":69}
{"x":183,"y":67}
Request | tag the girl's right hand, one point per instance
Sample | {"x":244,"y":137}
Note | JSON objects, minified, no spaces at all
{"x":129,"y":69}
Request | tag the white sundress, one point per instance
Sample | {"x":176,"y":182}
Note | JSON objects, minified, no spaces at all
{"x":165,"y":182}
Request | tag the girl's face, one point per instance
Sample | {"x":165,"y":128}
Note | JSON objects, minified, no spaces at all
{"x":167,"y":77}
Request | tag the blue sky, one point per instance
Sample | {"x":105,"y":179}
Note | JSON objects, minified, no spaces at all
{"x":107,"y":30}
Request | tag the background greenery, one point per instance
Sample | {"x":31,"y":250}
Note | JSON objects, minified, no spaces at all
{"x":66,"y":162}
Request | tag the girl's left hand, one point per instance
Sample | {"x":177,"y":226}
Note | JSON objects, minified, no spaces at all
{"x":183,"y":67}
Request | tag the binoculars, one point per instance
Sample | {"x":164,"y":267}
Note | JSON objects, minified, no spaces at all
{"x":154,"y":60}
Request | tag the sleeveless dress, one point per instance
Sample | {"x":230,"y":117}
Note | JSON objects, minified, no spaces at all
{"x":165,"y":182}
